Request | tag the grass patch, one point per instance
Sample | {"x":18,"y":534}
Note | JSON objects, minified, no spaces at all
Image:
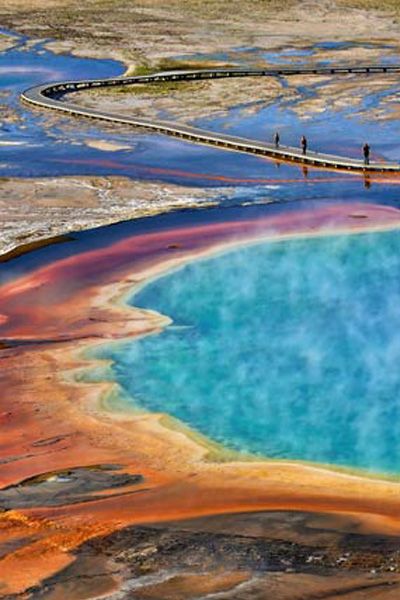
{"x":161,"y":88}
{"x":158,"y":88}
{"x":169,"y":64}
{"x":389,"y":5}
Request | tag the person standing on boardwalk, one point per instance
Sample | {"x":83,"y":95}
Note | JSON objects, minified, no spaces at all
{"x":276,"y":140}
{"x":366,"y":152}
{"x":303,"y":143}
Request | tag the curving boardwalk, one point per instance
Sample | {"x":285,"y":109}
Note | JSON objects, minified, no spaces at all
{"x":51,"y":96}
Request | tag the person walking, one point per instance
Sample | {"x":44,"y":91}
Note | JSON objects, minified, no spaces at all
{"x":277,"y":139}
{"x":366,"y":152}
{"x":303,"y":143}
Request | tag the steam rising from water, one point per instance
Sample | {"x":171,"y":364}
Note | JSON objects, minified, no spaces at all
{"x":288,"y":350}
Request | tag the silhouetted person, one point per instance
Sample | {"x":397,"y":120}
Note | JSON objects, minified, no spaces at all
{"x":366,"y":152}
{"x":277,"y":139}
{"x":303,"y":143}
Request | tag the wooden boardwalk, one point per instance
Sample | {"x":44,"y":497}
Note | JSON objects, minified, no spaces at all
{"x":51,"y":96}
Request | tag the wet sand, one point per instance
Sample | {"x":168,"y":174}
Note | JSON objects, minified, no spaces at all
{"x":148,"y":468}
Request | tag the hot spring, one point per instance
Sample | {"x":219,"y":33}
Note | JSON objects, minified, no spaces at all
{"x":286,"y":350}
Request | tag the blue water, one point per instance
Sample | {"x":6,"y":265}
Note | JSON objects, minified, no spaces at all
{"x":331,"y":130}
{"x":288,"y":350}
{"x":28,"y":145}
{"x":337,"y":130}
{"x":312,"y":372}
{"x":36,"y":144}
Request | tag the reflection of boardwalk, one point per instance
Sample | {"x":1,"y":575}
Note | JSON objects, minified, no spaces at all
{"x":50,"y":95}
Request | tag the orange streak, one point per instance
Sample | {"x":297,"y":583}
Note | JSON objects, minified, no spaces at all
{"x":75,"y":297}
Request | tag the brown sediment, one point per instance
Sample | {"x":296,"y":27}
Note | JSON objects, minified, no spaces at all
{"x":82,"y":471}
{"x":255,"y":555}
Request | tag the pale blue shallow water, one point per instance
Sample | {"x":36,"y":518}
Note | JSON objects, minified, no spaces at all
{"x":288,"y":350}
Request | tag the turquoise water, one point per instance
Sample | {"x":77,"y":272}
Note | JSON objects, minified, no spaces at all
{"x":288,"y":350}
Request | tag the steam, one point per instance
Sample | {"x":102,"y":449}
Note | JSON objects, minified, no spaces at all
{"x":288,"y":350}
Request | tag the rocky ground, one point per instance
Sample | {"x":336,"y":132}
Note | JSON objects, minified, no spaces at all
{"x":59,"y":205}
{"x":287,"y":556}
{"x":104,"y":27}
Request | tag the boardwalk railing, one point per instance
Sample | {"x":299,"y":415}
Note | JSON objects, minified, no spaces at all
{"x":51,"y":95}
